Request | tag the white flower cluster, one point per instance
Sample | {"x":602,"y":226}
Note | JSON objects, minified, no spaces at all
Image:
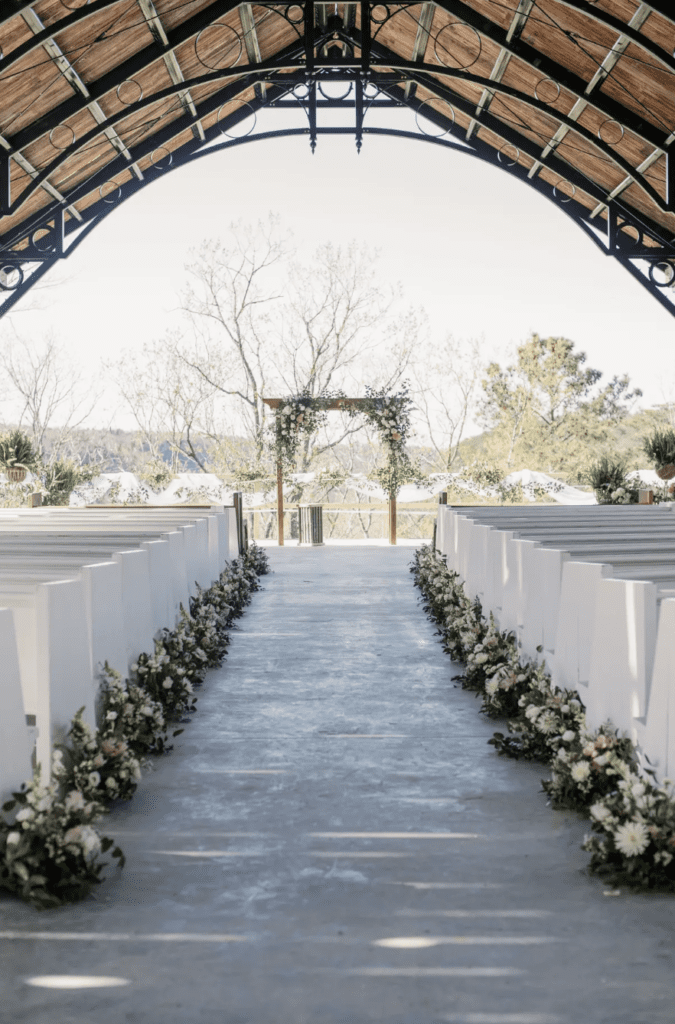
{"x":633,"y":818}
{"x":50,"y":851}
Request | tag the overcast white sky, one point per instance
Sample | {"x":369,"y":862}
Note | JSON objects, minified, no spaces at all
{"x":482,"y":253}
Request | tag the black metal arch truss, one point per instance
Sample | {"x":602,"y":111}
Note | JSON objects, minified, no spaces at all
{"x":330,"y":50}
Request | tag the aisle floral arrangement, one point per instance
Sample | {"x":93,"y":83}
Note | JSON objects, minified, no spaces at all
{"x":594,"y":773}
{"x":50,"y":848}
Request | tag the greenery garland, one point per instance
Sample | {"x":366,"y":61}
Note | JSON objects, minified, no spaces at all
{"x":595,"y":773}
{"x":50,"y":849}
{"x":389,"y":412}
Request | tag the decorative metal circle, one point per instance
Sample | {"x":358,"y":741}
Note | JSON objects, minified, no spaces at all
{"x":633,"y":233}
{"x":218,"y":46}
{"x":344,"y":95}
{"x":43,"y":240}
{"x":540,"y":86}
{"x":504,"y":158}
{"x":242,"y":135}
{"x":133,"y":93}
{"x":11,"y":277}
{"x":564,"y":197}
{"x":606,"y":128}
{"x":299,"y":18}
{"x":113,"y":195}
{"x":662,"y":274}
{"x":62,"y":128}
{"x":442,"y":131}
{"x":379,"y":20}
{"x":298,"y":93}
{"x":376,"y":91}
{"x":457,"y":66}
{"x":161,"y":158}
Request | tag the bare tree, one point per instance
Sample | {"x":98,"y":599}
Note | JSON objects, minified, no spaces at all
{"x":172,"y":404}
{"x":262,"y":324}
{"x":48,"y":391}
{"x":446,"y":384}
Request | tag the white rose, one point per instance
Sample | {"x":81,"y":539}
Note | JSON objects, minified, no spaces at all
{"x":639,"y":789}
{"x":74,"y":801}
{"x":111,"y":716}
{"x":13,"y":838}
{"x":146,"y":710}
{"x":26,"y":814}
{"x":90,"y":841}
{"x":565,"y":708}
{"x":93,"y":779}
{"x":602,"y":760}
{"x":480,"y":659}
{"x":568,"y":735}
{"x":599,"y":812}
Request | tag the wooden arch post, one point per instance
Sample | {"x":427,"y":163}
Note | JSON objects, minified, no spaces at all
{"x":335,"y":405}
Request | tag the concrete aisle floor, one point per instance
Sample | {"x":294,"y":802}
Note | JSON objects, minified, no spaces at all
{"x":332,"y":841}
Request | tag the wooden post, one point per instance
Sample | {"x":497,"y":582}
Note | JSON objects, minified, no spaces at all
{"x":280,"y":503}
{"x":392,"y":519}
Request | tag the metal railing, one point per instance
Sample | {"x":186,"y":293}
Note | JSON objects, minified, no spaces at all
{"x":344,"y":524}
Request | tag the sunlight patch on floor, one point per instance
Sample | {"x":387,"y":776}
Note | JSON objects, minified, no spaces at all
{"x":502,"y":1018}
{"x":450,"y":885}
{"x":121,"y":937}
{"x":474,"y":913}
{"x":394,"y":835}
{"x":74,"y":981}
{"x":423,"y":941}
{"x":430,"y":972}
{"x":207,"y":853}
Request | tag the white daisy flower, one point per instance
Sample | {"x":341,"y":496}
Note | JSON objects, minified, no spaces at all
{"x":632,"y":838}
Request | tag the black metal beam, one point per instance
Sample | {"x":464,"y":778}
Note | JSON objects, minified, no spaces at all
{"x":549,"y":68}
{"x":663,"y":7}
{"x":479,"y":150}
{"x":494,"y":124}
{"x":670,"y":180}
{"x":71,"y":18}
{"x":133,"y":66}
{"x":393,"y":61}
{"x":5,"y":182}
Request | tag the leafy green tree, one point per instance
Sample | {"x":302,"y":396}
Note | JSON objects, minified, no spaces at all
{"x":547,"y":410}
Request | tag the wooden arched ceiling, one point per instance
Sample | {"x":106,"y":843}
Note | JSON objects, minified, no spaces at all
{"x":100,"y":97}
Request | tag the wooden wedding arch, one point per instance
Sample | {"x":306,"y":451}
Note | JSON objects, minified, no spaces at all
{"x":334,"y":405}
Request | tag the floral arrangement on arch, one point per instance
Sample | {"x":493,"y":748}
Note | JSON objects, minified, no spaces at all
{"x":50,"y":849}
{"x":597,"y":773}
{"x":296,"y":415}
{"x":390,"y":413}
